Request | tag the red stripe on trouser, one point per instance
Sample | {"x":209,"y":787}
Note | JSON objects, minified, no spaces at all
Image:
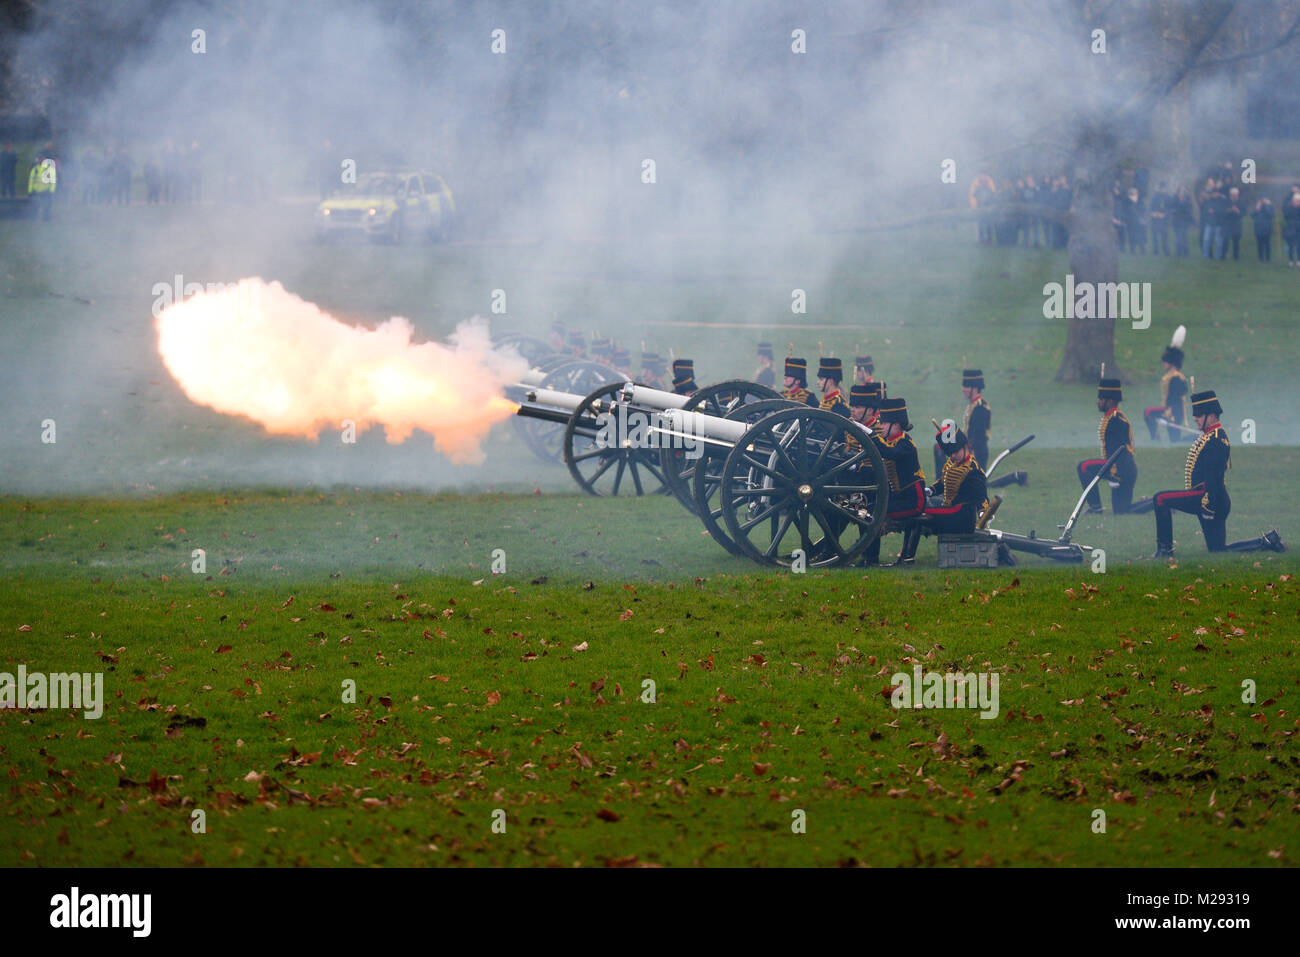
{"x":949,"y":510}
{"x":1163,"y":496}
{"x":1089,"y":463}
{"x":1154,"y":408}
{"x":913,"y":510}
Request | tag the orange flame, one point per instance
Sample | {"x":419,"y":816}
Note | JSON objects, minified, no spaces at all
{"x":256,"y":350}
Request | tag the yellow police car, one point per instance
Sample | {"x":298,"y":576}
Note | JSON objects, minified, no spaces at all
{"x":389,"y":207}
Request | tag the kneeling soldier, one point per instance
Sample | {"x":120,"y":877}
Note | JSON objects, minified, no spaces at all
{"x":1173,"y":390}
{"x":1115,"y":432}
{"x":1205,"y":493}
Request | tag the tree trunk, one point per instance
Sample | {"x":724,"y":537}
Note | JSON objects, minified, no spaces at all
{"x":1093,"y":256}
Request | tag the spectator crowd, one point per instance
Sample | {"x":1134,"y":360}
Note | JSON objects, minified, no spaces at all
{"x":1029,"y":211}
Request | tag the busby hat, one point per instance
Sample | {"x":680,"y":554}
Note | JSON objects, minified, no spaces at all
{"x":1110,"y":389}
{"x":602,"y":347}
{"x":1174,"y":354}
{"x":796,"y":368}
{"x":1206,"y":403}
{"x":972,"y":379}
{"x":765,"y":350}
{"x":652,"y":361}
{"x":687,"y":365}
{"x":621,"y":357}
{"x":955,"y":444}
{"x":577,"y":339}
{"x":830,"y":368}
{"x":684,"y":382}
{"x":864,"y":362}
{"x":867,"y":396}
{"x":895,"y":410}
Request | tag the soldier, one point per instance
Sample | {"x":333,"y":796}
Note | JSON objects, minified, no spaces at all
{"x":962,"y":485}
{"x":684,"y":382}
{"x":864,"y":403}
{"x":1205,"y":493}
{"x":796,"y":382}
{"x":903,"y":471}
{"x":829,"y":375}
{"x":684,"y":367}
{"x":864,"y":370}
{"x":621,"y":360}
{"x":975,"y":421}
{"x":1115,"y":432}
{"x":602,"y":350}
{"x":1173,"y":390}
{"x":577,"y":344}
{"x":653,"y":370}
{"x":765,"y":374}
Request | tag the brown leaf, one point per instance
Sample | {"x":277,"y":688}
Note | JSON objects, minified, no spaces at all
{"x":493,"y":697}
{"x":605,"y":814}
{"x":761,"y":769}
{"x":224,"y":648}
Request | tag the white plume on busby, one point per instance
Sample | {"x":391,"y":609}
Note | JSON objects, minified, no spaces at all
{"x":1180,"y":334}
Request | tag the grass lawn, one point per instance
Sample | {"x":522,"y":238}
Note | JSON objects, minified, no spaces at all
{"x":225,"y":691}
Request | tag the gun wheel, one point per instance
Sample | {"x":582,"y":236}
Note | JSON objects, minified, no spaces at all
{"x":800,"y":487}
{"x":597,"y":453}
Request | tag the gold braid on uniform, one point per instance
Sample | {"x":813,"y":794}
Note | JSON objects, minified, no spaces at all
{"x":796,"y":394}
{"x":891,"y":467}
{"x":1101,"y":436}
{"x":829,"y":402}
{"x":1164,"y":388}
{"x":1194,"y":453}
{"x":953,"y":476}
{"x":965,"y":419}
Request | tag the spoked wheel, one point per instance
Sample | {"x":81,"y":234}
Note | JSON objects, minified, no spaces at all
{"x":794,"y":483}
{"x":534,"y":351}
{"x":706,"y":478}
{"x":718,"y":400}
{"x":563,"y":374}
{"x":600,"y":456}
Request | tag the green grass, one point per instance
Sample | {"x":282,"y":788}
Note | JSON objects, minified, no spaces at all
{"x":769,"y":693}
{"x":327,"y":563}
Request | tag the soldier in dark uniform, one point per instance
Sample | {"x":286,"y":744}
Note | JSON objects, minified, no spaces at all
{"x":684,"y":381}
{"x":684,"y":368}
{"x":1205,"y":493}
{"x":864,"y":403}
{"x":975,"y":421}
{"x":602,"y":350}
{"x":796,"y":382}
{"x":577,"y":344}
{"x":829,"y":375}
{"x":864,"y":370}
{"x":1173,"y":391}
{"x":653,"y":370}
{"x":1114,"y":432}
{"x":765,"y":374}
{"x":962,"y":487}
{"x":903,"y":471}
